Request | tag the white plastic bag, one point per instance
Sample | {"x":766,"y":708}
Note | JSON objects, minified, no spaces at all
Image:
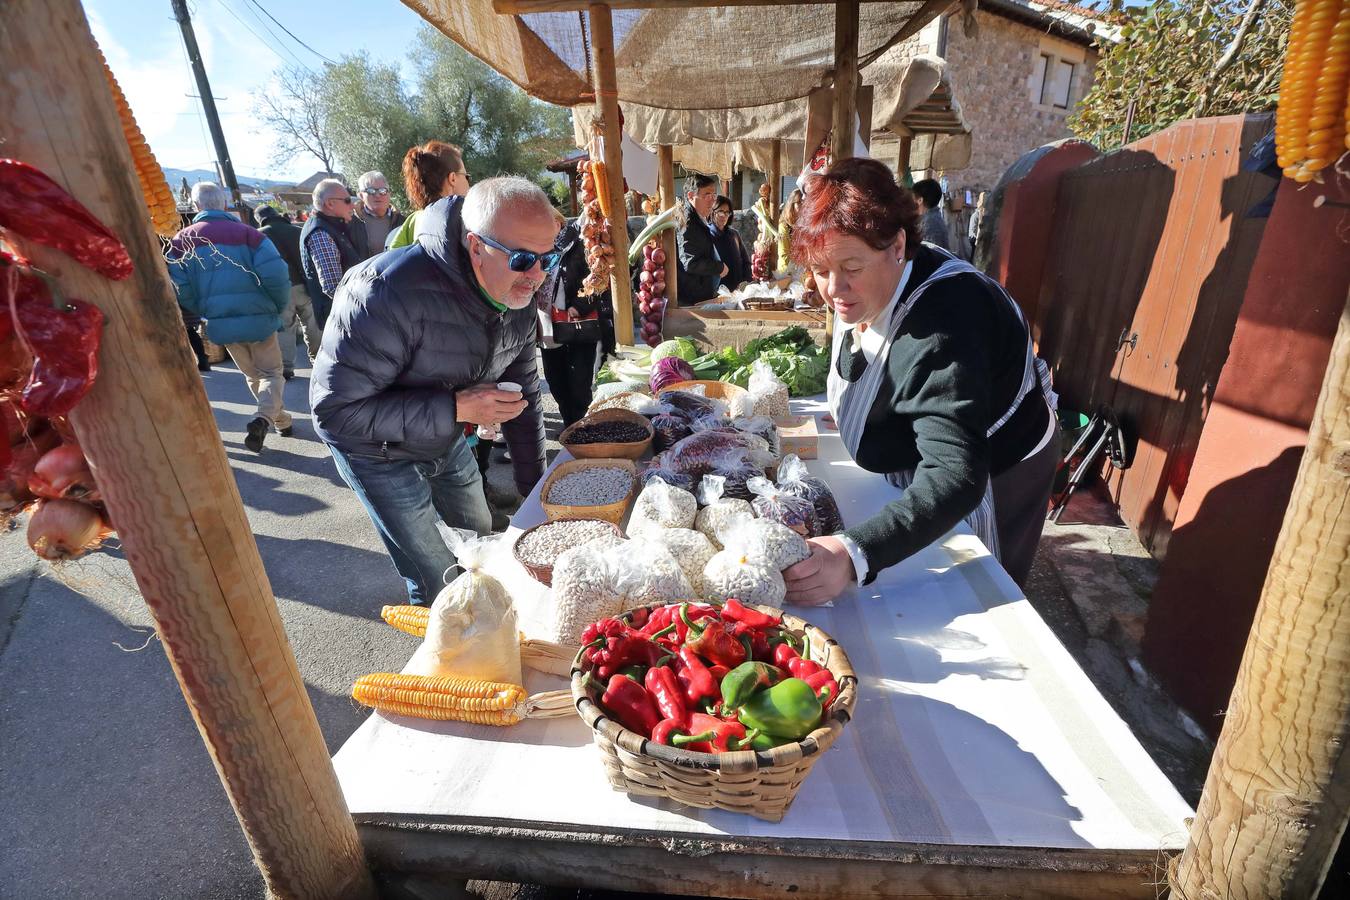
{"x":768,"y":393}
{"x":665,"y":505}
{"x":644,"y":572}
{"x":583,"y":590}
{"x":472,"y":631}
{"x":717,"y":510}
{"x":691,"y":549}
{"x":732,"y":573}
{"x":764,"y":540}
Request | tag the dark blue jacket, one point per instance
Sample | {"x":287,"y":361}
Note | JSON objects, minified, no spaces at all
{"x":410,"y":327}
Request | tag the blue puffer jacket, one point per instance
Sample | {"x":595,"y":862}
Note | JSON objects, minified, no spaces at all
{"x":408,"y":328}
{"x":231,"y":275}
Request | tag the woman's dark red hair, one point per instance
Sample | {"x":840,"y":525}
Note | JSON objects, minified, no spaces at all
{"x":857,"y":197}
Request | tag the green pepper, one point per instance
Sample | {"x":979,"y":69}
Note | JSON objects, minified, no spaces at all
{"x":747,"y":679}
{"x":789,"y":708}
{"x":765,"y":741}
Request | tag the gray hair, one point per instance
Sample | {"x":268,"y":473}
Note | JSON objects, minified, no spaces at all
{"x":493,"y":197}
{"x":365,"y":180}
{"x":324,"y":187}
{"x":209,"y":195}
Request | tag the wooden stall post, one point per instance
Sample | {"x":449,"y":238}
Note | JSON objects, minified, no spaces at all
{"x":1277,"y":796}
{"x":775,"y":174}
{"x":607,"y":109}
{"x":665,"y":165}
{"x":153,"y":444}
{"x":845,"y":78}
{"x":902,"y":160}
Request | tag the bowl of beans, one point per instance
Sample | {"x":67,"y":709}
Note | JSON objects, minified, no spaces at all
{"x":539,"y":547}
{"x":608,"y":434}
{"x":589,"y":489}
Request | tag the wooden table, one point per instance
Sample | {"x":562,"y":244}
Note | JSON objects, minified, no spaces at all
{"x":980,"y":760}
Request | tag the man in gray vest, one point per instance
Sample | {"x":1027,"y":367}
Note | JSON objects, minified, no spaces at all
{"x":330,"y":244}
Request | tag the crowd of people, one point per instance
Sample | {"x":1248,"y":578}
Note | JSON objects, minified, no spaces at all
{"x":429,"y":328}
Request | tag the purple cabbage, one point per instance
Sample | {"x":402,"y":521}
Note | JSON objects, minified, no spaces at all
{"x":669,"y":370}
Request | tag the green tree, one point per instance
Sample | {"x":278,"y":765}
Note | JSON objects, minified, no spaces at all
{"x":369,"y":119}
{"x":1179,"y":59}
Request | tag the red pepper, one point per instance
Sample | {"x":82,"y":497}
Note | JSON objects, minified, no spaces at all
{"x":803,"y":668}
{"x":63,"y":337}
{"x":718,"y":735}
{"x":658,"y":620}
{"x":825,"y":686}
{"x":783,"y":654}
{"x":736,"y":611}
{"x":33,"y":205}
{"x":718,"y":672}
{"x":694,"y":613}
{"x":631,"y":705}
{"x":665,"y":690}
{"x":638,"y":617}
{"x":666,"y":729}
{"x":759,"y":641}
{"x":695,"y":678}
{"x":713,"y":641}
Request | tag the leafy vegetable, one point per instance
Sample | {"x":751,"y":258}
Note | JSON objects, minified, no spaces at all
{"x":682,"y":347}
{"x":669,"y":370}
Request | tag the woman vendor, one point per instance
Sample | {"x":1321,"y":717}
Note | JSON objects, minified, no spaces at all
{"x":933,"y":384}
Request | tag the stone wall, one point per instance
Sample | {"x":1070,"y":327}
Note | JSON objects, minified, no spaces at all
{"x":993,"y":76}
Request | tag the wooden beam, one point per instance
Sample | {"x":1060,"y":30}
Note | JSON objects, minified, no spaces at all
{"x":607,"y":114}
{"x":665,"y":174}
{"x":775,"y":175}
{"x":524,"y":7}
{"x":153,"y":444}
{"x":845,"y":78}
{"x":902,"y":161}
{"x":1277,"y":797}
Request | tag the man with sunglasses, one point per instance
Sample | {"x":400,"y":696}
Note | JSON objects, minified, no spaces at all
{"x":375,"y":213}
{"x":330,"y":244}
{"x":419,"y":340}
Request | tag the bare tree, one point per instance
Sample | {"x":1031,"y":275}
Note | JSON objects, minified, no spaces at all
{"x":290,"y":106}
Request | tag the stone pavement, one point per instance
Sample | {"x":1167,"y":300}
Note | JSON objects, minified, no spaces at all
{"x":107,"y":789}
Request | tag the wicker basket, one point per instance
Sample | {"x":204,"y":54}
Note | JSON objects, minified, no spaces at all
{"x":626,"y":450}
{"x":544,"y":574}
{"x":713,"y":390}
{"x":758,"y":783}
{"x":610,"y":512}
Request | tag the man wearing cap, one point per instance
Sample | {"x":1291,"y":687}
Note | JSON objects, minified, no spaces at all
{"x":418,"y":343}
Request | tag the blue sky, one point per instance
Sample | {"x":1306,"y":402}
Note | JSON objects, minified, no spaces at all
{"x":145,"y":50}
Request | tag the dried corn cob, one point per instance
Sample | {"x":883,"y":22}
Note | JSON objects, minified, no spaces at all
{"x":411,"y":619}
{"x":1310,"y":126}
{"x":154,"y":188}
{"x":459,"y":699}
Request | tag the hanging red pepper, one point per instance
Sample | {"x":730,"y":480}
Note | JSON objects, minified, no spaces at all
{"x":664,"y":687}
{"x":631,"y":705}
{"x":63,"y":335}
{"x":736,"y":611}
{"x":711,"y":639}
{"x":34,"y":206}
{"x":695,"y":678}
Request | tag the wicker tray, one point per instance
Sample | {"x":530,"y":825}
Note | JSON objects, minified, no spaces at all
{"x":625,"y":450}
{"x":759,"y":783}
{"x":544,"y":574}
{"x":713,"y":390}
{"x":610,"y":512}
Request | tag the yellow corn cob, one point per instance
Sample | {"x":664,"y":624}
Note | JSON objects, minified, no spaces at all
{"x":154,"y":189}
{"x":425,"y":697}
{"x":412,"y":619}
{"x":1311,"y":121}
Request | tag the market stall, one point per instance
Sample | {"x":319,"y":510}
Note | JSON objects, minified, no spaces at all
{"x":979,"y":757}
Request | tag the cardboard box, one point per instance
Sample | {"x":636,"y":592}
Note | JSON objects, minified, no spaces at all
{"x":798,"y":434}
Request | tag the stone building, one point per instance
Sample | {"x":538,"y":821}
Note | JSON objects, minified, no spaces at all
{"x":1017,"y":79}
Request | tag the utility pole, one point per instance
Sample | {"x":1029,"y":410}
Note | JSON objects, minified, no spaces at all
{"x":180,"y":12}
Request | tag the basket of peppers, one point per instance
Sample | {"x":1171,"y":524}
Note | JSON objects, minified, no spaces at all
{"x":712,"y":704}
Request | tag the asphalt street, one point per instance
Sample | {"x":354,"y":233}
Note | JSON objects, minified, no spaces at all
{"x":106,"y":787}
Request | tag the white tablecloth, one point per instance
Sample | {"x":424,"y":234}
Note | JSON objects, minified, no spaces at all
{"x":974,"y":726}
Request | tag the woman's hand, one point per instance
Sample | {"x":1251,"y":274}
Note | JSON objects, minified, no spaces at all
{"x":822,"y":576}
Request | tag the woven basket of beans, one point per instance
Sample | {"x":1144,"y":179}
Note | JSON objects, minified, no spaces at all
{"x":759,"y":783}
{"x":559,"y":535}
{"x":608,"y":434}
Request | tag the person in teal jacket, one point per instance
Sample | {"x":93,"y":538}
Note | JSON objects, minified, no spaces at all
{"x":232,"y":276}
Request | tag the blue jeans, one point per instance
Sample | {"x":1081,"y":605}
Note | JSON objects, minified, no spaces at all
{"x":406,"y":497}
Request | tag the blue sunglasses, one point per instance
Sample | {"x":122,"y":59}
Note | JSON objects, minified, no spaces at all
{"x":524,"y":260}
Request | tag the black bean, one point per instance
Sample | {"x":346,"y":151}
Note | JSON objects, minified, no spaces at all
{"x":607,"y":433}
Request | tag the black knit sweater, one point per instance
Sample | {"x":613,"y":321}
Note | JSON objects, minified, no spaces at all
{"x":953,"y":369}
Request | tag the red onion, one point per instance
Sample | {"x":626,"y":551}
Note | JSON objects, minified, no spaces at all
{"x":64,"y":529}
{"x":63,"y":473}
{"x":658,"y":256}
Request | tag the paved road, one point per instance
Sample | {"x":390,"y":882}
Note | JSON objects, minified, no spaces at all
{"x":106,"y":788}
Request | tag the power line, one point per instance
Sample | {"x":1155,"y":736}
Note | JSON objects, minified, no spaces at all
{"x":262,"y":40}
{"x":291,"y":33}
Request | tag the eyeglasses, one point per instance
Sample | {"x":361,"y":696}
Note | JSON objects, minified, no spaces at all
{"x":378,"y":192}
{"x":348,"y":200}
{"x":722,"y":213}
{"x":524,"y":260}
